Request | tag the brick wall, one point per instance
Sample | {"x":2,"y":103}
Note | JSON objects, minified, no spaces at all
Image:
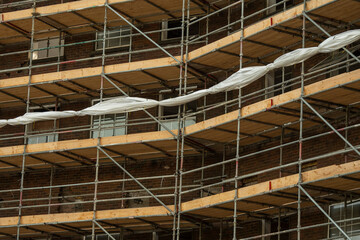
{"x":166,"y":166}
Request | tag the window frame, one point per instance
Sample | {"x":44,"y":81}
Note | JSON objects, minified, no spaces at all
{"x":94,"y":127}
{"x":349,"y":223}
{"x":99,"y":41}
{"x":48,"y":40}
{"x":44,"y":134}
{"x":165,"y":26}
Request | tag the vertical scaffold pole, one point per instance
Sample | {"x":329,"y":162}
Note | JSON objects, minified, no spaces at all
{"x":182,"y":113}
{"x":301,"y":132}
{"x":96,"y":181}
{"x":238,"y":128}
{"x":178,"y":136}
{"x":26,"y":126}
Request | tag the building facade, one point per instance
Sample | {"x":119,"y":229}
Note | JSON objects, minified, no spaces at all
{"x":275,"y":159}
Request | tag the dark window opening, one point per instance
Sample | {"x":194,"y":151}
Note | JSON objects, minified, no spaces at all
{"x":280,"y":7}
{"x":278,"y":79}
{"x":176,"y":33}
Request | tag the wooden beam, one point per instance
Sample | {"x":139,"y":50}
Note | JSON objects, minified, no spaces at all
{"x":86,"y":216}
{"x":274,"y":101}
{"x":189,"y":130}
{"x":57,"y":9}
{"x":291,"y":181}
{"x":87,"y":72}
{"x":256,"y":28}
{"x":154,"y":63}
{"x":276,"y":184}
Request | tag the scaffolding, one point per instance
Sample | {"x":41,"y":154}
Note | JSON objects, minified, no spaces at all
{"x":310,"y":107}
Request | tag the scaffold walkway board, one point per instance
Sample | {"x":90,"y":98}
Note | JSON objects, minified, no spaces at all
{"x":84,"y":16}
{"x":260,"y":121}
{"x":262,"y":198}
{"x":263,"y":40}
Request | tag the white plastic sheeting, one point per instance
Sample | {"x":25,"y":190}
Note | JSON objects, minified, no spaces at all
{"x":238,"y":80}
{"x":119,"y":105}
{"x":40,"y":116}
{"x":171,"y":102}
{"x":339,"y":41}
{"x":3,"y":123}
{"x":293,"y":57}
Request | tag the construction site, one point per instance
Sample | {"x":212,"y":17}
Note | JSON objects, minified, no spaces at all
{"x":179,"y":119}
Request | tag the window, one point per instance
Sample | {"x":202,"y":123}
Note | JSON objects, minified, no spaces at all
{"x":43,"y":130}
{"x":115,"y":38}
{"x":176,"y":33}
{"x":53,"y":137}
{"x":338,"y":212}
{"x":111,"y":124}
{"x":168,"y":115}
{"x":278,"y":7}
{"x":274,"y":79}
{"x":51,"y":52}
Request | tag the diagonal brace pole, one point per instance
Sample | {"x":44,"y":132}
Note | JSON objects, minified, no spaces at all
{"x":137,"y":181}
{"x":146,"y":36}
{"x":323,"y":211}
{"x":330,"y":126}
{"x":146,"y":111}
{"x":328,"y":34}
{"x":103,"y":230}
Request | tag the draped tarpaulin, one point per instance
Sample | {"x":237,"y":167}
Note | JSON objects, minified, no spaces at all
{"x":240,"y":79}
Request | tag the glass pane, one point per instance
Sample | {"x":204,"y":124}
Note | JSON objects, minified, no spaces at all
{"x":125,"y":40}
{"x":54,"y":52}
{"x":356,"y":209}
{"x":170,"y":124}
{"x":114,"y":39}
{"x":120,"y":117}
{"x":189,"y":122}
{"x":119,"y":131}
{"x":100,"y":36}
{"x":335,"y":212}
{"x":41,"y":139}
{"x":50,"y":138}
{"x":95,"y":134}
{"x":107,"y":133}
{"x":42,"y":53}
{"x":32,"y":140}
{"x":334,"y":232}
{"x":95,"y":120}
{"x":111,"y":125}
{"x":99,"y":44}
